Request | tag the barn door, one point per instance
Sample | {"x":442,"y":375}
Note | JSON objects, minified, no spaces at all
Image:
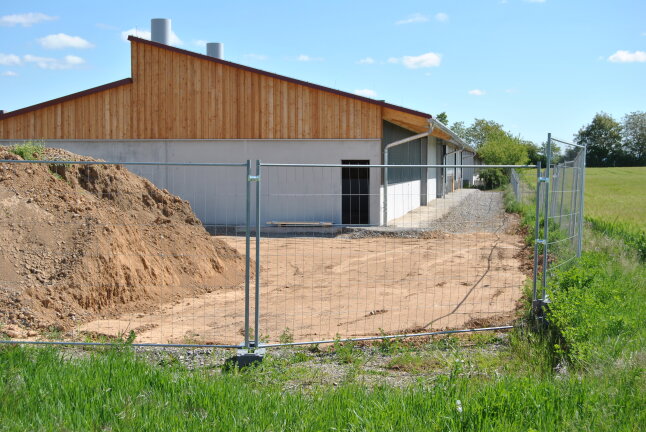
{"x":355,"y":189}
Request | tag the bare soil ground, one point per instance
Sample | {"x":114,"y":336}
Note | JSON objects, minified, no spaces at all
{"x":321,"y":288}
{"x":82,"y":241}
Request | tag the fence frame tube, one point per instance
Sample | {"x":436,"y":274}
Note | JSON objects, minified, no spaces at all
{"x":247,"y":253}
{"x":582,"y":200}
{"x":548,"y":157}
{"x":536,"y":230}
{"x":256,"y":329}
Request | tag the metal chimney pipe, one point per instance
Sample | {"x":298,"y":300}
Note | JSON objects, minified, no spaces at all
{"x":160,"y":30}
{"x":215,"y":49}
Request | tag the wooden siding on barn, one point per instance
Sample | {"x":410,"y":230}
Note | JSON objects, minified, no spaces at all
{"x":102,"y":115}
{"x":175,"y":95}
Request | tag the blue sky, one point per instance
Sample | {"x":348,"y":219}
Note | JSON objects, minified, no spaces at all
{"x":534,"y":66}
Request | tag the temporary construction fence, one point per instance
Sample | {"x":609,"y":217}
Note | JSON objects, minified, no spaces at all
{"x":559,"y":209}
{"x":300,"y":253}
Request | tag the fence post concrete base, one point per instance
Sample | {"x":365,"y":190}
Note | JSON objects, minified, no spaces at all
{"x":246,"y":357}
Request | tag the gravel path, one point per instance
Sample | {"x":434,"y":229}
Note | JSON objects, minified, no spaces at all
{"x":476,"y":212}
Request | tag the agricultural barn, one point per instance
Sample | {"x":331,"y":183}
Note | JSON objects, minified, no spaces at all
{"x":181,"y":106}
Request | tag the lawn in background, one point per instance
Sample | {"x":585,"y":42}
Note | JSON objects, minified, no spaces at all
{"x":616,"y":195}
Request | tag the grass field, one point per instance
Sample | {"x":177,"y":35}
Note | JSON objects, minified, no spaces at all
{"x":617,"y":195}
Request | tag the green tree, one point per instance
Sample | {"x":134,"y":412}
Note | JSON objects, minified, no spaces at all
{"x":459,"y":129}
{"x":480,"y":131}
{"x":504,"y":149}
{"x":534,"y":153}
{"x":442,"y":118}
{"x":603,"y":140}
{"x":556,"y":153}
{"x":501,"y":148}
{"x":634,"y":137}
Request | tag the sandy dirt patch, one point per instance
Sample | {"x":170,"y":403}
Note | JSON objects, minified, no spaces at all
{"x":321,"y":288}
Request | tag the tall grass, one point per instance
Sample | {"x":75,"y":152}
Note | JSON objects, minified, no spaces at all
{"x":629,"y":234}
{"x":116,"y":391}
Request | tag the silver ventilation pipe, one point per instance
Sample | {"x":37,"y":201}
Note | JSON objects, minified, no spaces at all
{"x":215,"y":49}
{"x":160,"y":30}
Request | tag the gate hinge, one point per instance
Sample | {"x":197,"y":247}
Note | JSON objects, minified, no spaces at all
{"x":252,"y":178}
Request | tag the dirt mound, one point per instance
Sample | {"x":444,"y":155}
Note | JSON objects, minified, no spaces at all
{"x":83,"y":241}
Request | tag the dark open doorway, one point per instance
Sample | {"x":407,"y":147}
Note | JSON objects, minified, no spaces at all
{"x":355,"y":190}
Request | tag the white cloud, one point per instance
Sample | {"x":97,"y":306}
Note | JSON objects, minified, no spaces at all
{"x":62,"y":40}
{"x":511,"y":91}
{"x":441,"y":17}
{"x":25,"y":20}
{"x":414,"y":18}
{"x":477,"y":92}
{"x":200,"y":43}
{"x":67,"y":62}
{"x":366,"y":93}
{"x":9,"y":60}
{"x":366,"y":60}
{"x":306,"y":58}
{"x":9,"y":73}
{"x":427,"y":60}
{"x":74,"y":60}
{"x":622,"y":56}
{"x":254,"y":56}
{"x":145,"y":34}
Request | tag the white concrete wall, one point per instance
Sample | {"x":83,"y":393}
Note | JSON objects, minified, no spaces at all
{"x":402,"y":198}
{"x":432,"y":173}
{"x":217,"y":194}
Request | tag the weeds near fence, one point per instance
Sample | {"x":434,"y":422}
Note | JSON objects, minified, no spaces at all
{"x":29,"y":150}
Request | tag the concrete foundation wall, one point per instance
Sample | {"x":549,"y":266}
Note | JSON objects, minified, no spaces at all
{"x":217,"y":194}
{"x":402,"y":198}
{"x":432,"y":174}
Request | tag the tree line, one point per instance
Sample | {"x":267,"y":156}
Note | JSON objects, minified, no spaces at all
{"x":609,"y":142}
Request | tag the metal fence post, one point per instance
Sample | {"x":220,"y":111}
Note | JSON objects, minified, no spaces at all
{"x":536,"y":229}
{"x":574,"y":204}
{"x":257,"y":296}
{"x":386,"y":187}
{"x":247,"y":257}
{"x":582,"y":163}
{"x":548,"y":157}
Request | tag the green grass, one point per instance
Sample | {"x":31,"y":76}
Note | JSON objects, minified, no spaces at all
{"x":616,"y":195}
{"x":116,"y":391}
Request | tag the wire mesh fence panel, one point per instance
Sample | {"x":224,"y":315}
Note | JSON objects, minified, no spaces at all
{"x":565,"y":179}
{"x":344,"y":256}
{"x":523,"y":184}
{"x":91,"y":251}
